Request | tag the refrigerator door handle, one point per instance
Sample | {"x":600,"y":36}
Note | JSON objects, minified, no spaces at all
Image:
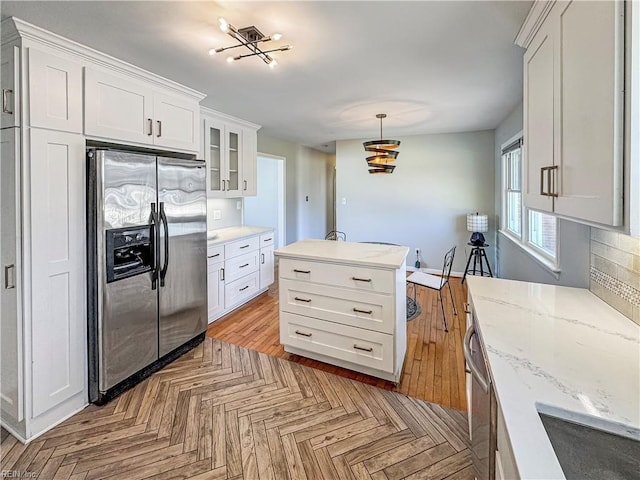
{"x":153,"y":234}
{"x":165,"y":224}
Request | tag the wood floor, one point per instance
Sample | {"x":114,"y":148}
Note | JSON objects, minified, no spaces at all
{"x":223,"y":411}
{"x":434,"y":363}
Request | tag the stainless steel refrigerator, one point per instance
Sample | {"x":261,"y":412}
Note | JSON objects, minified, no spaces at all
{"x":147,"y":278}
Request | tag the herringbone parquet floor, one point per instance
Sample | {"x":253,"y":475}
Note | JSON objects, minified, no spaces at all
{"x":222,"y":411}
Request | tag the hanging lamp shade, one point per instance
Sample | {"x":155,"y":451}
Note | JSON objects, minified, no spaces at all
{"x":383,"y":152}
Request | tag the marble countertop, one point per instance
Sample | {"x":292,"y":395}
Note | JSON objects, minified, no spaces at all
{"x":557,"y":350}
{"x":223,"y":235}
{"x":351,"y":253}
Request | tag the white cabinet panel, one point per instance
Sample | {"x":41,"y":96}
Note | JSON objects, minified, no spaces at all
{"x":117,"y":108}
{"x":267,"y":265}
{"x":57,"y":267}
{"x":240,"y":290}
{"x":240,"y":266}
{"x":176,"y":122}
{"x":10,"y":83}
{"x":11,"y":365}
{"x":240,"y":247}
{"x":55,"y":92}
{"x":215,"y":288}
{"x":249,"y":162}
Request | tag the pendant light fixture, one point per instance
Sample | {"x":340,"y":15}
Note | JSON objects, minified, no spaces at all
{"x":383,"y":151}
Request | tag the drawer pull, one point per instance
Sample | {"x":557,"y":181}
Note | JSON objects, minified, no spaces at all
{"x":214,"y":256}
{"x":368,"y":280}
{"x":368,"y":312}
{"x":370,"y":349}
{"x":301,"y":271}
{"x":222,"y":274}
{"x":244,"y":288}
{"x":245,"y":265}
{"x":298,"y":332}
{"x":267,"y":239}
{"x":306,"y":300}
{"x":245,"y":246}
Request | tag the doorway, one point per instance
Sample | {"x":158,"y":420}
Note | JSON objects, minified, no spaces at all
{"x":267,"y":208}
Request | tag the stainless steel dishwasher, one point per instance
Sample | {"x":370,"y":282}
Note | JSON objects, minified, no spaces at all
{"x":483,"y":411}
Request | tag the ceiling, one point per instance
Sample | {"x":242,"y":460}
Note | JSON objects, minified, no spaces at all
{"x":431,"y":66}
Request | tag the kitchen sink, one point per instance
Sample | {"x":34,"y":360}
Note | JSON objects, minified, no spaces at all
{"x":587,"y":453}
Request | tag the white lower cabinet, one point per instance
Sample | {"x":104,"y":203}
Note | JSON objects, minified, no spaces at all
{"x":47,"y":302}
{"x":238,"y":270}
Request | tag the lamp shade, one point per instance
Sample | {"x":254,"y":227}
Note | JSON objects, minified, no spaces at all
{"x":477,"y":223}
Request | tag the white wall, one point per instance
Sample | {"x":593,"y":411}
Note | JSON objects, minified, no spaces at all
{"x":573,"y":238}
{"x":437,"y":181}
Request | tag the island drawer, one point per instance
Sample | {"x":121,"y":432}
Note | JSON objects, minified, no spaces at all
{"x":350,"y":276}
{"x":355,"y":345}
{"x":373,"y":311}
{"x":242,"y":246}
{"x":238,"y":267}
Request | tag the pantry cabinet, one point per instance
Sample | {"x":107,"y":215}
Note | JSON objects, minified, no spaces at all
{"x":230,"y":150}
{"x":573,"y":110}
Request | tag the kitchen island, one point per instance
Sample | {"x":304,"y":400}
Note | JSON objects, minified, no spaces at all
{"x":559,"y":351}
{"x":344,"y":303}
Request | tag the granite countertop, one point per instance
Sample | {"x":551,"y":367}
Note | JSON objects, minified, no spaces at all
{"x":223,"y":235}
{"x":561,"y":351}
{"x":351,"y":253}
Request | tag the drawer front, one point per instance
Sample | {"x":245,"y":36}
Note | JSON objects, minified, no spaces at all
{"x":238,"y":291}
{"x":266,"y":239}
{"x":240,"y":247}
{"x":240,"y":266}
{"x":373,"y":311}
{"x":215,"y":253}
{"x":360,"y":278}
{"x":355,"y":345}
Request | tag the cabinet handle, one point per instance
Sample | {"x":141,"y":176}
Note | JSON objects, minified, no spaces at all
{"x":298,"y":332}
{"x":368,"y":312}
{"x":9,"y":276}
{"x":245,"y":184}
{"x":301,"y":271}
{"x":222,"y":274}
{"x":552,"y":181}
{"x":305,"y":300}
{"x":267,"y":239}
{"x":245,"y":246}
{"x":159,"y":125}
{"x":542,"y":170}
{"x":550,"y":172}
{"x":245,"y":265}
{"x":244,"y":288}
{"x":467,"y":307}
{"x":150,"y":125}
{"x":5,"y":101}
{"x":466,"y":350}
{"x":214,"y":256}
{"x":262,"y":258}
{"x":370,"y":349}
{"x":223,"y":185}
{"x":368,"y":280}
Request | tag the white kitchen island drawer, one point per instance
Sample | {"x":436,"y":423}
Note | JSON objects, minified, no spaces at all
{"x":243,"y":288}
{"x":350,"y":276}
{"x":373,"y":311}
{"x":238,"y":267}
{"x":355,"y":345}
{"x":240,"y":247}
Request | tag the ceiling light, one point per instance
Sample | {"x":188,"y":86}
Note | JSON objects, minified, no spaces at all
{"x":273,"y":64}
{"x":383,"y":151}
{"x":250,"y":38}
{"x":230,"y":59}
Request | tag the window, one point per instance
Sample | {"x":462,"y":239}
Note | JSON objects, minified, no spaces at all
{"x":534,"y":231}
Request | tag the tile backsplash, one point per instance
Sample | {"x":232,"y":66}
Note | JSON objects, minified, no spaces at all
{"x":615,"y":271}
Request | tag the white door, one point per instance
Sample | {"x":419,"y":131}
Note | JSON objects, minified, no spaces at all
{"x":215,"y":286}
{"x":55,"y":92}
{"x":590,"y":115}
{"x":266,"y":267}
{"x":538,"y":119}
{"x":58,"y":267}
{"x":11,"y":365}
{"x":233,"y":166}
{"x":117,"y":108}
{"x":249,"y":162}
{"x":9,"y":80}
{"x":176,"y":122}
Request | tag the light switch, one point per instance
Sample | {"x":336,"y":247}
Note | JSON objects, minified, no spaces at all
{"x":239,"y":205}
{"x":217,"y":214}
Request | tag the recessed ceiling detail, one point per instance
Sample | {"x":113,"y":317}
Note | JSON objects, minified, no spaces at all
{"x":251,"y":38}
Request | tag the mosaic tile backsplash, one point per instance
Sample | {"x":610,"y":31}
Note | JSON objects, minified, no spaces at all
{"x":615,"y":271}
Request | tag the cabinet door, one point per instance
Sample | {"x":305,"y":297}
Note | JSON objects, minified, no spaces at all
{"x":215,"y":285}
{"x":233,"y":138}
{"x":10,"y":320}
{"x":117,"y":108}
{"x":538,"y":118}
{"x":266,"y":267}
{"x":176,"y":122}
{"x":214,"y":156}
{"x":57,"y":267}
{"x":10,"y":80}
{"x":55,"y":92}
{"x":249,"y":162}
{"x":590,"y":43}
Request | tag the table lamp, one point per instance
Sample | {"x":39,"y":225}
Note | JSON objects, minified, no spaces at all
{"x":478,"y":224}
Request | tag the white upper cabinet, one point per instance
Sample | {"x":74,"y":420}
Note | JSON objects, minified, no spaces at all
{"x":10,"y":83}
{"x":249,"y":162}
{"x":55,"y":92}
{"x":120,"y":108}
{"x":573,"y":109}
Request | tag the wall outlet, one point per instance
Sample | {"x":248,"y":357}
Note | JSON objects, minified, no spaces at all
{"x":217,"y":214}
{"x":344,"y":200}
{"x":239,"y":205}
